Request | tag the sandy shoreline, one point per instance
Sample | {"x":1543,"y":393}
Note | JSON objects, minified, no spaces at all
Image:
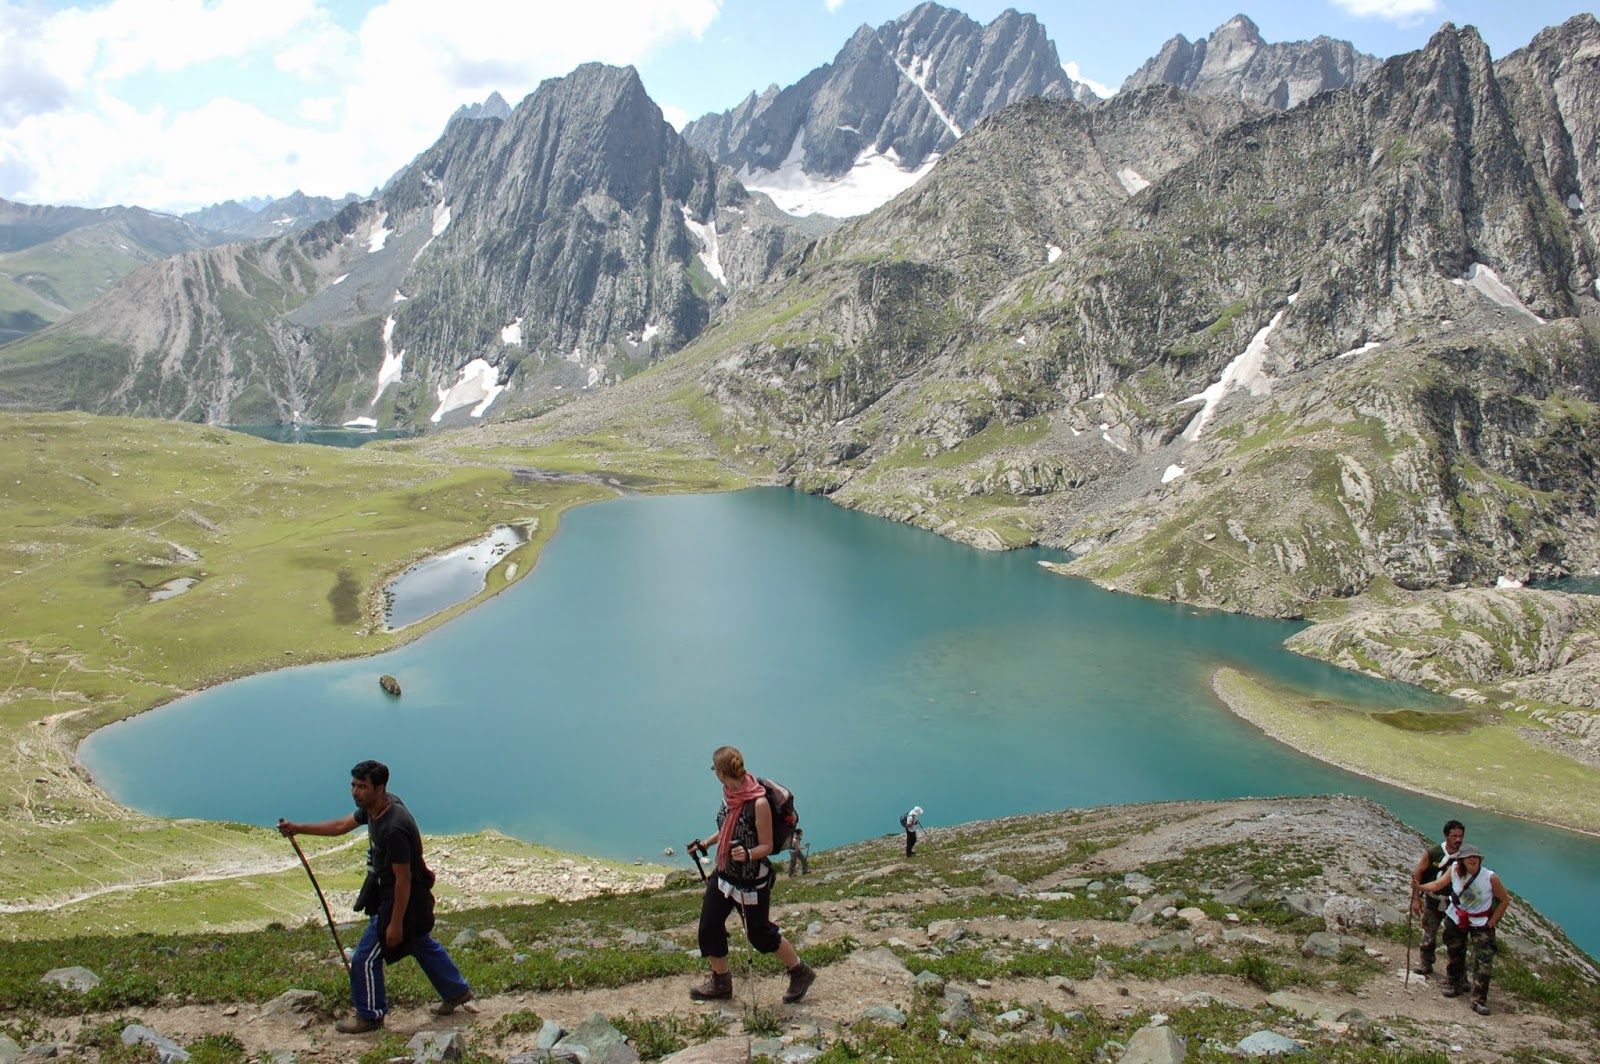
{"x":1242,"y":708}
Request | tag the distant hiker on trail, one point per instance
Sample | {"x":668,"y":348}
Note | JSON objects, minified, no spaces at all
{"x":1430,"y":907}
{"x":397,"y":896}
{"x":797,"y":852}
{"x":909,"y":821}
{"x":742,"y":880}
{"x":1476,"y":901}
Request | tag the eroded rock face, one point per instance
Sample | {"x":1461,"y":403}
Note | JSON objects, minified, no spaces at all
{"x":1236,"y":61}
{"x":1531,"y":644}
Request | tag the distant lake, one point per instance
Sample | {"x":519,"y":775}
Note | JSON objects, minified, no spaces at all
{"x":867,"y":665}
{"x":323,"y":435}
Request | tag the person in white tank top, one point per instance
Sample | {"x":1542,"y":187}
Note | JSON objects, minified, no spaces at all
{"x":1476,"y":901}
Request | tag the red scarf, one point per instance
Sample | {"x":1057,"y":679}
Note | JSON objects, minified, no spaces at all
{"x":748,"y":791}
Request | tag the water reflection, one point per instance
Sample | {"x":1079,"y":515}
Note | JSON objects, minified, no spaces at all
{"x":434,"y":585}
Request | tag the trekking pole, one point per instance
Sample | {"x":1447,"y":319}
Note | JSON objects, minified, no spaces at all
{"x":694,"y":852}
{"x":1409,"y":914}
{"x":318,"y":888}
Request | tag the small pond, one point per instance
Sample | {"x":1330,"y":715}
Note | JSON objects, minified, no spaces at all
{"x":442,"y":581}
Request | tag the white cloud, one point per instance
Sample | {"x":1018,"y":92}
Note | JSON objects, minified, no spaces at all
{"x":832,"y":5}
{"x":1404,"y":12}
{"x":175,"y":104}
{"x":676,"y":117}
{"x":1105,"y":92}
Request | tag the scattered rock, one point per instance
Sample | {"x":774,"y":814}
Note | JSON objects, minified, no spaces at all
{"x":885,"y":1014}
{"x":1344,"y":913}
{"x":929,"y":983}
{"x":10,"y":1052}
{"x":1327,"y":944}
{"x":1151,"y":907}
{"x":958,"y":1009}
{"x":1239,"y":892}
{"x":495,"y":938}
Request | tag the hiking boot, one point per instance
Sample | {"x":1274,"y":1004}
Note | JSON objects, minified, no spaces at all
{"x":1454,"y":991}
{"x":359,"y":1025}
{"x":801,"y":976}
{"x":1422,"y":969}
{"x":719,"y":987}
{"x":1481,"y":1008}
{"x":450,"y":1004}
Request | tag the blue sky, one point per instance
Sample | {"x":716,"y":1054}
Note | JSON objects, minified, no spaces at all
{"x":176,"y":104}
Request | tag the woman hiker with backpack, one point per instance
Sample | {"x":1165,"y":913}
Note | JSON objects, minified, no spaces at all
{"x":743,"y":881}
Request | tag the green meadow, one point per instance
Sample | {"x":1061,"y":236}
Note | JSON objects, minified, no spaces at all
{"x":288,"y":548}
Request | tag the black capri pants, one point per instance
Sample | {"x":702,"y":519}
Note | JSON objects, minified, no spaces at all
{"x":764,"y":935}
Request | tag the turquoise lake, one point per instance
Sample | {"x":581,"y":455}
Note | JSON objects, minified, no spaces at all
{"x":868,"y":665}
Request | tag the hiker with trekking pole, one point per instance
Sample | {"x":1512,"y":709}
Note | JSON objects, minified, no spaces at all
{"x":749,"y":831}
{"x":397,"y":897}
{"x":1475,"y":902}
{"x":1435,"y":861}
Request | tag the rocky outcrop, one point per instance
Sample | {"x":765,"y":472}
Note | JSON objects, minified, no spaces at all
{"x":1236,"y":61}
{"x":894,"y":98}
{"x":1526,"y":644}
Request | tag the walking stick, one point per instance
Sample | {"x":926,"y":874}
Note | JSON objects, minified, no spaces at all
{"x":318,"y":888}
{"x":1409,"y":915}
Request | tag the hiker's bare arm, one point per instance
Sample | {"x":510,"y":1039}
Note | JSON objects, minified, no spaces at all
{"x":1502,"y":900}
{"x":1416,"y":883}
{"x":1437,"y":885}
{"x":342,"y":826}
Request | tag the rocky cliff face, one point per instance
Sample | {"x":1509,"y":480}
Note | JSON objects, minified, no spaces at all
{"x":892,"y":100}
{"x":570,"y":244}
{"x":1319,"y":347}
{"x":1236,"y":61}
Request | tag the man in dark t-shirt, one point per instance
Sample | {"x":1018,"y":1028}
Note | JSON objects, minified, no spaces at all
{"x":397,"y":897}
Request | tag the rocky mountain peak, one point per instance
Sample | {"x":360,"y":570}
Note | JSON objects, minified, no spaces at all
{"x":892,"y":101}
{"x":1235,"y":60}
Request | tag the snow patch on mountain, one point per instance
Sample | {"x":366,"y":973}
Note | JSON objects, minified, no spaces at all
{"x":706,"y":233}
{"x":380,"y":234}
{"x":393,"y":361}
{"x":512,"y":334}
{"x":478,"y":387}
{"x":1243,"y":372}
{"x":875,"y":179}
{"x":916,"y":72}
{"x":1132,"y":180}
{"x":1488,"y":282}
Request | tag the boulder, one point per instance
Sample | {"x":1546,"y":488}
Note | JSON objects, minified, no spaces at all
{"x":1268,"y":1044}
{"x":10,"y":1052}
{"x":169,"y":1051}
{"x":882,"y":960}
{"x":1327,"y":944}
{"x":1154,"y":1045}
{"x":74,"y":978}
{"x":429,"y":1046}
{"x":1239,"y":892}
{"x":605,"y":1043}
{"x":1151,"y":907}
{"x":887,"y":1014}
{"x":1344,"y":913}
{"x":958,"y":1009}
{"x":301,"y":1001}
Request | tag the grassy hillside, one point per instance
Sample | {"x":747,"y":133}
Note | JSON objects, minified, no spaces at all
{"x":1071,"y":932}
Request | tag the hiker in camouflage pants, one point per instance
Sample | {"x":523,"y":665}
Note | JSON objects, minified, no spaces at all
{"x":1456,"y":941}
{"x":1475,"y":902}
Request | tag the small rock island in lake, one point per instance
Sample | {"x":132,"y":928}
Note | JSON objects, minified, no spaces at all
{"x":389,"y":684}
